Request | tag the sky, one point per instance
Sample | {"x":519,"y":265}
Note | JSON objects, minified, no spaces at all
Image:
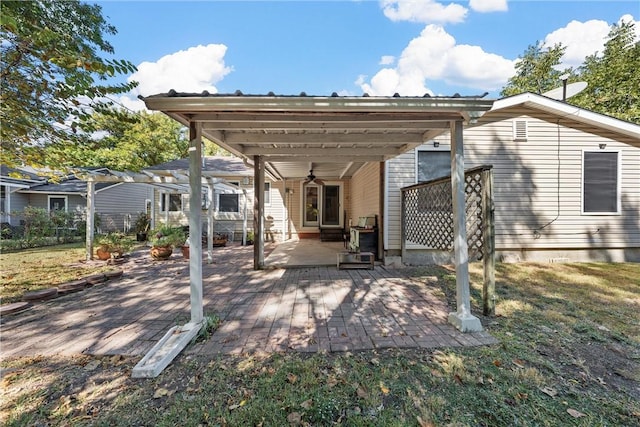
{"x":349,"y":47}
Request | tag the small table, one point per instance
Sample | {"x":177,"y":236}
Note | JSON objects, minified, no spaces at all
{"x":347,"y":260}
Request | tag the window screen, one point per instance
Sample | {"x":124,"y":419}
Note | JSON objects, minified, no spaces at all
{"x":600,"y":182}
{"x":172,"y":201}
{"x":433,"y":164}
{"x":228,"y":203}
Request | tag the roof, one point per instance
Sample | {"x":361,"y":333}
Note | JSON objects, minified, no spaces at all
{"x":19,"y":177}
{"x":560,"y":108}
{"x":333,"y":135}
{"x":212,"y":165}
{"x":69,"y":186}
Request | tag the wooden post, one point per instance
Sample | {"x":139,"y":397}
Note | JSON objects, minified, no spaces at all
{"x":195,"y":221}
{"x":258,"y":212}
{"x":462,"y":318}
{"x":488,"y":244}
{"x":91,"y":209}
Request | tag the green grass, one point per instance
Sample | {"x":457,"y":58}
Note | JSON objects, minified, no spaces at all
{"x":39,"y":268}
{"x":569,"y":355}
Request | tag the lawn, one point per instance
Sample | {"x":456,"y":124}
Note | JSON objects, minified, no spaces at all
{"x":569,"y":354}
{"x":39,"y":268}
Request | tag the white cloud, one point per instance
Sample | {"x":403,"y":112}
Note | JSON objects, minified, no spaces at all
{"x":582,"y":39}
{"x":434,"y":55}
{"x":193,"y":70}
{"x":387,"y":60}
{"x":425,"y":11}
{"x":488,"y":5}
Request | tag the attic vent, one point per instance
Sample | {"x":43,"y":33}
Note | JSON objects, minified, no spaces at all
{"x":520,"y":130}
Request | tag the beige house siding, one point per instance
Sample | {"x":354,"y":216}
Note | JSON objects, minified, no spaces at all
{"x":365,"y":193}
{"x":401,"y":172}
{"x":538,"y":182}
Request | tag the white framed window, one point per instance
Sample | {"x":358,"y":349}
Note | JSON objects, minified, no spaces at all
{"x":520,"y":130}
{"x":600,"y":182}
{"x":171,"y":202}
{"x":267,"y":193}
{"x":432,"y":164}
{"x":58,"y":203}
{"x":229,"y":202}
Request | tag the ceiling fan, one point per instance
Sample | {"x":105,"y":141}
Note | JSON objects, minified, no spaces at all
{"x":312,"y":178}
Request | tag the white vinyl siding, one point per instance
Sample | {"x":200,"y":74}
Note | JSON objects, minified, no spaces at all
{"x":538,"y":182}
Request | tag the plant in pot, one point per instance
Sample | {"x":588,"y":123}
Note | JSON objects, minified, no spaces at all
{"x":163,"y":239}
{"x":143,"y":221}
{"x":112,"y":245}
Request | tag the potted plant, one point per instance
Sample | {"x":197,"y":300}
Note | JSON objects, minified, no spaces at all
{"x":112,"y":245}
{"x":164,"y":239}
{"x":143,"y":221}
{"x":185,"y":248}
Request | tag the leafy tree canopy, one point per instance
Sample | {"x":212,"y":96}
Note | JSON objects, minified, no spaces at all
{"x":52,"y":74}
{"x":126,"y":141}
{"x":613,"y":80}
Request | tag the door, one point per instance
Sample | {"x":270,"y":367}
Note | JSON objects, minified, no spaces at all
{"x":331,"y":205}
{"x":311,"y":205}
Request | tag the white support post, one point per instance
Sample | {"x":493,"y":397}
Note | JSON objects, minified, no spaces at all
{"x":91,"y":209}
{"x":210,"y":221}
{"x":258,"y":213}
{"x":462,"y":318}
{"x":195,"y":221}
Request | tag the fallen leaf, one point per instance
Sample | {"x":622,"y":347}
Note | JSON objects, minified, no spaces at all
{"x":307,"y":404}
{"x":294,"y":418}
{"x":575,"y":414}
{"x":362,"y":393}
{"x":374,"y":361}
{"x":383,"y":388}
{"x":497,"y":363}
{"x":242,"y":403}
{"x":549,"y":391}
{"x":160,"y":393}
{"x":458,"y":378}
{"x":423,"y":423}
{"x":332,"y":381}
{"x":92,"y":365}
{"x":292,"y":378}
{"x":519,"y":363}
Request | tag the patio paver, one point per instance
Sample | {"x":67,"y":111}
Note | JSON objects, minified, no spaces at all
{"x":307,"y":309}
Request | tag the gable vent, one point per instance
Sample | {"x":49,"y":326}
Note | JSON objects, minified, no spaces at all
{"x":520,"y":130}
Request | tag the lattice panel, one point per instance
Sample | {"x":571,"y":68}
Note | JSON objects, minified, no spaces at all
{"x":429,"y":214}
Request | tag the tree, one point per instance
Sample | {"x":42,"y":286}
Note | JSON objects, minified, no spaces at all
{"x":52,"y":74}
{"x":613,"y":79}
{"x":125,"y":140}
{"x":536,"y":71}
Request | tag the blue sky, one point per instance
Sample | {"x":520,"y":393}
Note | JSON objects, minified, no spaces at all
{"x":348,"y":47}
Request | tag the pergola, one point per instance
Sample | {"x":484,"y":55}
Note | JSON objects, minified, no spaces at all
{"x":286,"y":136}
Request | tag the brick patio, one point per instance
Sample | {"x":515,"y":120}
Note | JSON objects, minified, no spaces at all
{"x":302,"y":309}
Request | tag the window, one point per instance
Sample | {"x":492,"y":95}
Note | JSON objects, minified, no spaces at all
{"x":3,"y":197}
{"x":433,"y":164}
{"x":267,"y":193}
{"x":172,"y":201}
{"x":57,"y":203}
{"x":600,"y":182}
{"x":228,"y":203}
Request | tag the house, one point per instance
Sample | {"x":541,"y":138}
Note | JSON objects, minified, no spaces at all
{"x":231,"y":199}
{"x":566,"y":181}
{"x":12,"y":201}
{"x":116,"y":204}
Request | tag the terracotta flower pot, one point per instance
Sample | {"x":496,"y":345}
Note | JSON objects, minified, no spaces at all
{"x":185,"y":251}
{"x":161,"y":252}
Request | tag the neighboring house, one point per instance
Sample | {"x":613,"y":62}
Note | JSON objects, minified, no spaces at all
{"x":566,"y":180}
{"x":117,"y":204}
{"x":232,"y":199}
{"x":11,"y":199}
